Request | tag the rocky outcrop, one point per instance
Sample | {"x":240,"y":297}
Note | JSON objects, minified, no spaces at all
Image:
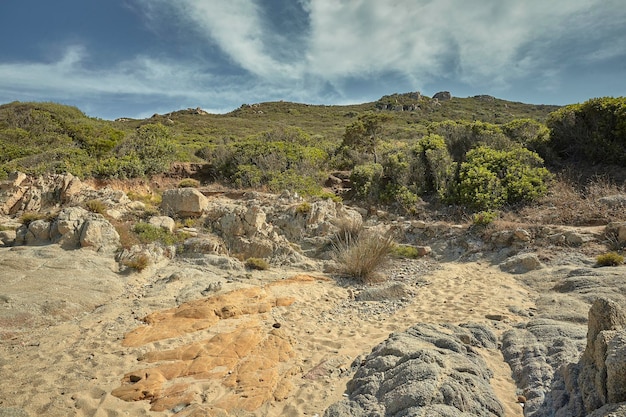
{"x":432,"y":370}
{"x":443,"y":95}
{"x":556,"y":380}
{"x":21,"y":193}
{"x":72,"y":228}
{"x":184,"y":202}
{"x":602,"y":377}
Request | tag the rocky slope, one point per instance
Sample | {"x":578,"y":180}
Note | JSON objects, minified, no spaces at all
{"x":263,"y":342}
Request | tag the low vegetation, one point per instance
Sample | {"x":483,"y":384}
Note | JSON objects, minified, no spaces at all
{"x":362,"y":257}
{"x":138,"y":262}
{"x":148,"y":233}
{"x":478,"y":154}
{"x":258,"y":264}
{"x":96,"y":206}
{"x":610,"y":259}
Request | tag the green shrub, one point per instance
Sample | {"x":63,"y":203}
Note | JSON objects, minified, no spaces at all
{"x":148,"y":233}
{"x":484,"y":218}
{"x":150,"y":150}
{"x":96,"y":206}
{"x":436,"y":164}
{"x":303,"y":208}
{"x":362,"y":258}
{"x":491,"y":178}
{"x":257,"y":264}
{"x":402,"y":196}
{"x":188,"y":183}
{"x":364,"y":135}
{"x":405,"y":251}
{"x":594,"y":131}
{"x":610,"y":259}
{"x":366,"y":181}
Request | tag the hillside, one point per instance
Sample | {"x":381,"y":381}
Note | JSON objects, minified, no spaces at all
{"x":40,"y":137}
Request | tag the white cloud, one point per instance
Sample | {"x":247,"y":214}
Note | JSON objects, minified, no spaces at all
{"x":422,"y":38}
{"x":238,"y":27}
{"x":419,"y":41}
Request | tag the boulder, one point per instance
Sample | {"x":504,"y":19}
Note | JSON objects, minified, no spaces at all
{"x":429,"y":370}
{"x":38,"y":233}
{"x":73,"y":228}
{"x":100,"y":235}
{"x":443,"y":95}
{"x":184,"y":202}
{"x":606,"y":318}
{"x":522,"y":263}
{"x":164,"y":222}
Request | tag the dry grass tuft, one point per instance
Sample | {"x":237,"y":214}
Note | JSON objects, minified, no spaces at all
{"x":569,"y":203}
{"x":610,"y":259}
{"x":138,"y":262}
{"x":361,"y":258}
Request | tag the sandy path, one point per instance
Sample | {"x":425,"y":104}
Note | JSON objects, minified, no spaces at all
{"x":72,"y":367}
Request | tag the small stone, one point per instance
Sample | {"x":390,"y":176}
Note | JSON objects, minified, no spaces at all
{"x":495,"y":317}
{"x":424,"y":250}
{"x":276,"y":325}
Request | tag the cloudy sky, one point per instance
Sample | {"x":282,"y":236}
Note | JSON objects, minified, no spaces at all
{"x":115,"y":58}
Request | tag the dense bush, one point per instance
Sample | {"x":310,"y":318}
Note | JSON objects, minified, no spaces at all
{"x":594,"y":131}
{"x":366,"y":181}
{"x":461,"y":136}
{"x":491,"y":178}
{"x":278,"y":160}
{"x":436,"y":166}
{"x":364,"y":135}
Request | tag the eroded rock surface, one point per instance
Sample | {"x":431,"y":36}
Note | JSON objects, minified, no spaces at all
{"x":250,"y":364}
{"x":432,"y":370}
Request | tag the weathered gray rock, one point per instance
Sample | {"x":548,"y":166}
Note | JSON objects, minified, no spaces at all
{"x":443,"y":95}
{"x":7,"y":237}
{"x":38,"y":233}
{"x":392,"y":291}
{"x":164,"y":222}
{"x":613,"y":201}
{"x":616,"y":369}
{"x":204,"y":245}
{"x":616,"y":230}
{"x":428,"y":370}
{"x":606,"y":318}
{"x":522,"y":263}
{"x":73,"y":228}
{"x":22,"y":193}
{"x":98,"y":234}
{"x":555,"y":379}
{"x":185,"y":202}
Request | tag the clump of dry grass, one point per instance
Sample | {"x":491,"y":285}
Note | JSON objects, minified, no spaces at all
{"x":258,"y":264}
{"x":571,"y":203}
{"x":138,"y":262}
{"x":610,"y":259}
{"x":348,"y":230}
{"x":96,"y":206}
{"x":362,"y":257}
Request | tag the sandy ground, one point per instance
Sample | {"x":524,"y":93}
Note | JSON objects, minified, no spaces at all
{"x":69,"y":338}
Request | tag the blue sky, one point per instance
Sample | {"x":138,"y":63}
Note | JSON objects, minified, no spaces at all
{"x":134,"y":58}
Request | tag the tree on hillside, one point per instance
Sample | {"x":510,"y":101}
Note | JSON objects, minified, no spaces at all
{"x":364,"y":135}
